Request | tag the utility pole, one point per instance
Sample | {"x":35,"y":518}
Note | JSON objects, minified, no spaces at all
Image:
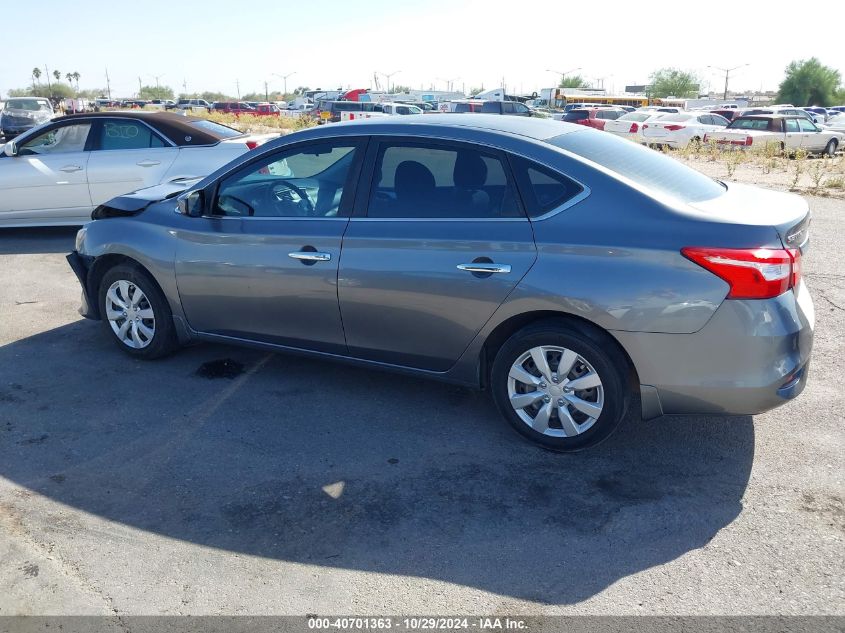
{"x":185,"y":86}
{"x":728,"y":72}
{"x":238,"y":86}
{"x":266,"y":94}
{"x":108,"y":84}
{"x":139,"y":87}
{"x":49,"y":86}
{"x":564,"y":74}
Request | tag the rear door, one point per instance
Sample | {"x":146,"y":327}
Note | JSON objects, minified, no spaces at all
{"x":47,"y":180}
{"x":792,"y":133}
{"x":438,"y":241}
{"x":127,"y":155}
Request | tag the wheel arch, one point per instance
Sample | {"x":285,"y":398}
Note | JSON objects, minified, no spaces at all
{"x":101,"y":265}
{"x":507,"y":328}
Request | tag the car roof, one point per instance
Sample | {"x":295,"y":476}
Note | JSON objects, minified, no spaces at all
{"x":176,"y":127}
{"x":538,"y":129}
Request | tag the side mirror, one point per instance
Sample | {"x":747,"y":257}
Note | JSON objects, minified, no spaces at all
{"x":192,"y":205}
{"x":10,"y":149}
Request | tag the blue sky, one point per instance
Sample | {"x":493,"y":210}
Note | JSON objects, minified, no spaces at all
{"x":328,"y":43}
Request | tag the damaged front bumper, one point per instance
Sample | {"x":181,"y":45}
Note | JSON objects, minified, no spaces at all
{"x":81,"y":266}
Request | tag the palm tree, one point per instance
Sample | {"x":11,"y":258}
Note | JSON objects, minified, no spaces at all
{"x":76,"y":77}
{"x":57,"y":74}
{"x":69,"y":77}
{"x":36,"y":74}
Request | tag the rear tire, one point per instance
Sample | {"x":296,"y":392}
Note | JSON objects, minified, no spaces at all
{"x":830,"y":148}
{"x":537,"y":401}
{"x":141,"y":322}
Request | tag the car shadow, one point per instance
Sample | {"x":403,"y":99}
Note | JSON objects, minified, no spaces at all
{"x":330,"y":465}
{"x":25,"y":241}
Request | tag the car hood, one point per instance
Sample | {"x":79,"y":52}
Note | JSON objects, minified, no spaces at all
{"x":135,"y":202}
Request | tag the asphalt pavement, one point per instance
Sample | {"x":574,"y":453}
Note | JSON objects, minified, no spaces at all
{"x":226,"y":480}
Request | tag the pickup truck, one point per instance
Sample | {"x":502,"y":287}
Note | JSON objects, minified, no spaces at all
{"x":787,"y":133}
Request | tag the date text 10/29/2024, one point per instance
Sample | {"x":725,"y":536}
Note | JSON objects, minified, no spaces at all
{"x":417,"y":623}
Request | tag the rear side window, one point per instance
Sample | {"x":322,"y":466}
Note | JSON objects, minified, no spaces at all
{"x":421,"y":180}
{"x":126,"y":134}
{"x":749,"y":124}
{"x":491,"y":107}
{"x":542,"y":189}
{"x":645,"y":167}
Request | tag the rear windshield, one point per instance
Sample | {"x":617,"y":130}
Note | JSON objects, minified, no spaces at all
{"x":644,"y":166}
{"x":32,"y":105}
{"x":576,"y":115}
{"x":220,"y":131}
{"x":676,"y":117}
{"x":635,"y":116}
{"x":749,"y":124}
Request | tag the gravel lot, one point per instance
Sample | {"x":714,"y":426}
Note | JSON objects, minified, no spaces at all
{"x":301,"y":487}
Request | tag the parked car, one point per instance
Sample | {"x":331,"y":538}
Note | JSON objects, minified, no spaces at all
{"x":512,"y":108}
{"x":728,"y":113}
{"x":233,"y":107}
{"x":166,"y":104}
{"x":593,"y":117}
{"x":835,"y":123}
{"x":191,"y":104}
{"x":787,"y":110}
{"x":544,"y":287}
{"x":400,"y":109}
{"x":330,"y":111}
{"x":630,"y":125}
{"x":20,"y":114}
{"x":679,"y":130}
{"x":267,"y":109}
{"x":788,"y":133}
{"x":57,"y":173}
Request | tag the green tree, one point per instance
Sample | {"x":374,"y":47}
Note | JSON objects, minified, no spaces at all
{"x":155,"y":92}
{"x":399,"y":88}
{"x":56,"y":90}
{"x":673,"y":82}
{"x":809,"y":82}
{"x":573,"y":81}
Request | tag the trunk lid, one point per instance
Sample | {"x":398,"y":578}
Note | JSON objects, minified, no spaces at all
{"x":787,"y":213}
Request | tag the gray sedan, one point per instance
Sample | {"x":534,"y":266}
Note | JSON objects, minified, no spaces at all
{"x":560,"y":268}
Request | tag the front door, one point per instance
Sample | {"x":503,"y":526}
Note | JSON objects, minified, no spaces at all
{"x":443,"y":242}
{"x":47,"y":180}
{"x":262,"y":264}
{"x":127,"y":155}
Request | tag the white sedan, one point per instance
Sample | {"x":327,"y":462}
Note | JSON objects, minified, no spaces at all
{"x":677,"y":130}
{"x":58,"y":173}
{"x":630,"y":126}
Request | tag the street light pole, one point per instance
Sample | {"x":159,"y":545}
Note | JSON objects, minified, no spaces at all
{"x":564,"y":74}
{"x":728,"y":72}
{"x":388,"y":76}
{"x":284,"y":78}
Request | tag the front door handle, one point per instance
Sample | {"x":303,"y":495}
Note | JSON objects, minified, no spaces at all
{"x":69,"y":169}
{"x":310,"y":256}
{"x":479,"y":267}
{"x":148,"y":163}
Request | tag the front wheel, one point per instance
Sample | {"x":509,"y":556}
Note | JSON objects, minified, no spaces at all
{"x":135,"y":312}
{"x":830,"y":148}
{"x":559,"y":387}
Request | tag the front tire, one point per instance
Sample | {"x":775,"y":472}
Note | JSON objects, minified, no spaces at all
{"x":135,"y":313}
{"x":830,"y":148}
{"x":559,"y":386}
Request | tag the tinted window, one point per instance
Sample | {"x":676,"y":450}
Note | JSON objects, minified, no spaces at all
{"x":648,"y":168}
{"x":304,"y":182}
{"x":719,"y":120}
{"x":791,"y":125}
{"x":609,"y":114}
{"x":126,"y":134}
{"x":542,"y":189}
{"x":508,"y":108}
{"x":416,"y":180}
{"x":749,"y":124}
{"x":60,"y":140}
{"x":806,"y":125}
{"x":217,"y":129}
{"x":491,"y":107}
{"x":576,"y":115}
{"x":520,"y":108}
{"x":635,"y":116}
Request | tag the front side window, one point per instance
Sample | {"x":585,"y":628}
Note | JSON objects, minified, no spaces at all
{"x":59,"y":140}
{"x":126,"y":134}
{"x":750,"y":124}
{"x":807,"y":126}
{"x":791,"y":125}
{"x":417,"y":180}
{"x":301,"y":182}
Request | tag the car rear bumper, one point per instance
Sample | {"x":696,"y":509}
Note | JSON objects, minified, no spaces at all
{"x":81,"y":265}
{"x":752,"y":356}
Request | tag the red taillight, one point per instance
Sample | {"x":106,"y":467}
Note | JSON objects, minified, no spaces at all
{"x":705,"y":139}
{"x":252,"y":144}
{"x":751,"y":273}
{"x":748,"y":141}
{"x":674,"y":128}
{"x":634,"y":128}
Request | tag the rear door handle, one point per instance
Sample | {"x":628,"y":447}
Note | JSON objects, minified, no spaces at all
{"x":69,"y":169}
{"x":148,"y":163}
{"x":478,"y":267}
{"x":311,"y":256}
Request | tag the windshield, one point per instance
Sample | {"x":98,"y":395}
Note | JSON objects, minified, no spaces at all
{"x":576,"y":115}
{"x":33,"y":105}
{"x":749,"y":124}
{"x":644,"y":166}
{"x":635,"y":116}
{"x":216,"y":128}
{"x":676,"y":117}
